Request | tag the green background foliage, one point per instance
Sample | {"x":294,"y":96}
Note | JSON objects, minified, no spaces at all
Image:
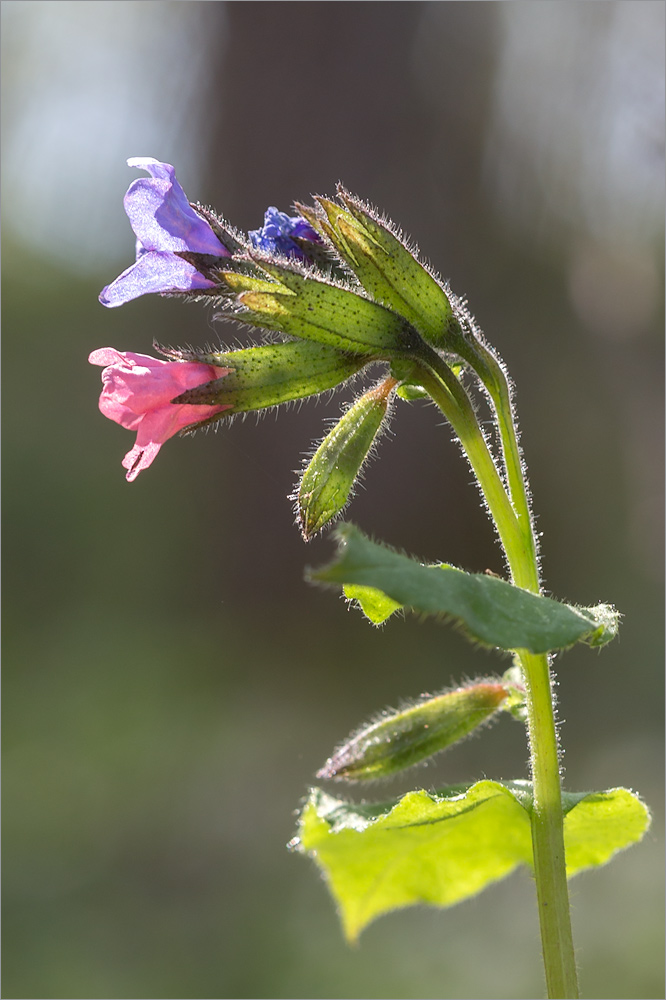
{"x":170,"y":681}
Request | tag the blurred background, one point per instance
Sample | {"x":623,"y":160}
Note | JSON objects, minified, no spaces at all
{"x":171,"y":683}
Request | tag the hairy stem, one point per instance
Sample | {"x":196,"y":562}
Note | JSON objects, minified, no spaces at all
{"x":548,"y":831}
{"x":513,"y":520}
{"x":439,"y":381}
{"x":493,"y":376}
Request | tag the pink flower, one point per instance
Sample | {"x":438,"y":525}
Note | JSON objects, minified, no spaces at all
{"x":137,"y":393}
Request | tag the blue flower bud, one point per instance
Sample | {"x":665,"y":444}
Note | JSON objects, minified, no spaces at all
{"x":280,"y":232}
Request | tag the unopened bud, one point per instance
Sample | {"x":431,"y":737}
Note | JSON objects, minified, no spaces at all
{"x":335,"y":466}
{"x":401,"y":739}
{"x":386,"y":267}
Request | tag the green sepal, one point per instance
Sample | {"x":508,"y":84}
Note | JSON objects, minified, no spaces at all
{"x":245,"y":280}
{"x":491,"y":611}
{"x":272,"y":374}
{"x":308,"y":305}
{"x":441,"y":848}
{"x":388,"y":270}
{"x":329,"y":477}
{"x":400,"y":739}
{"x":228,"y":235}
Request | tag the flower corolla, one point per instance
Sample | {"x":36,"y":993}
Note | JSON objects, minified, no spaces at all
{"x":137,"y":393}
{"x":280,"y":232}
{"x":165,"y":225}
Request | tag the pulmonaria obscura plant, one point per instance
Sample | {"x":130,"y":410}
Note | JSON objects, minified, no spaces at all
{"x":341,"y":294}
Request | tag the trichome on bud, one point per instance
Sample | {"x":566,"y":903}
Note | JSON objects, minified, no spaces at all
{"x":329,"y":478}
{"x":409,"y":736}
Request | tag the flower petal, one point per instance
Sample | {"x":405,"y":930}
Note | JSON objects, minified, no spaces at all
{"x":160,"y":424}
{"x":278,"y":232}
{"x":137,"y":393}
{"x":138,"y":459}
{"x":154,"y":271}
{"x":161,"y":216}
{"x":106,"y":356}
{"x":156,"y":427}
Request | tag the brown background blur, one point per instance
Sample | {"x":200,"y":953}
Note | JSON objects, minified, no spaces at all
{"x":171,"y":684}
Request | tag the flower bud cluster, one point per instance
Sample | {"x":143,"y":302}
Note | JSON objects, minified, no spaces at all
{"x":335,"y":282}
{"x":385,"y":266}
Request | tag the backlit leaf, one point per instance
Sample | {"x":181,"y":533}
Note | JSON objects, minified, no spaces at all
{"x":441,"y":848}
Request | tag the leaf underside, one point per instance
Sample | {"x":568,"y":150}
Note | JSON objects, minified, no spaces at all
{"x":491,"y":611}
{"x":441,"y":848}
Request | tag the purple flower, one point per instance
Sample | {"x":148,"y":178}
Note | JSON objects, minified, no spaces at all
{"x":278,"y":232}
{"x":165,"y":224}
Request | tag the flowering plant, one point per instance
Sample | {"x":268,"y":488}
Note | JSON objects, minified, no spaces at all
{"x":343,"y":292}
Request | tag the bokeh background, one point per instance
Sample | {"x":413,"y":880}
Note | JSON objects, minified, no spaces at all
{"x":171,"y":684}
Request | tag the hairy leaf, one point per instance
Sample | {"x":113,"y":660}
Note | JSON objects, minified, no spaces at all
{"x":491,"y":611}
{"x":441,"y":848}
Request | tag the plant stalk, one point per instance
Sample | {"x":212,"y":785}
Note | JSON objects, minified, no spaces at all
{"x":513,"y":520}
{"x":493,"y":376}
{"x":442,"y":385}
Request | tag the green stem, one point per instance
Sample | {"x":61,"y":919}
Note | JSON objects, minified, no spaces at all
{"x":514,"y":524}
{"x":493,"y":376}
{"x":439,"y":381}
{"x":548,"y":831}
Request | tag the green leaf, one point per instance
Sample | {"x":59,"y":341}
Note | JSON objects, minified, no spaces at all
{"x":599,"y":825}
{"x":374,"y":603}
{"x":491,"y":611}
{"x":440,"y":848}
